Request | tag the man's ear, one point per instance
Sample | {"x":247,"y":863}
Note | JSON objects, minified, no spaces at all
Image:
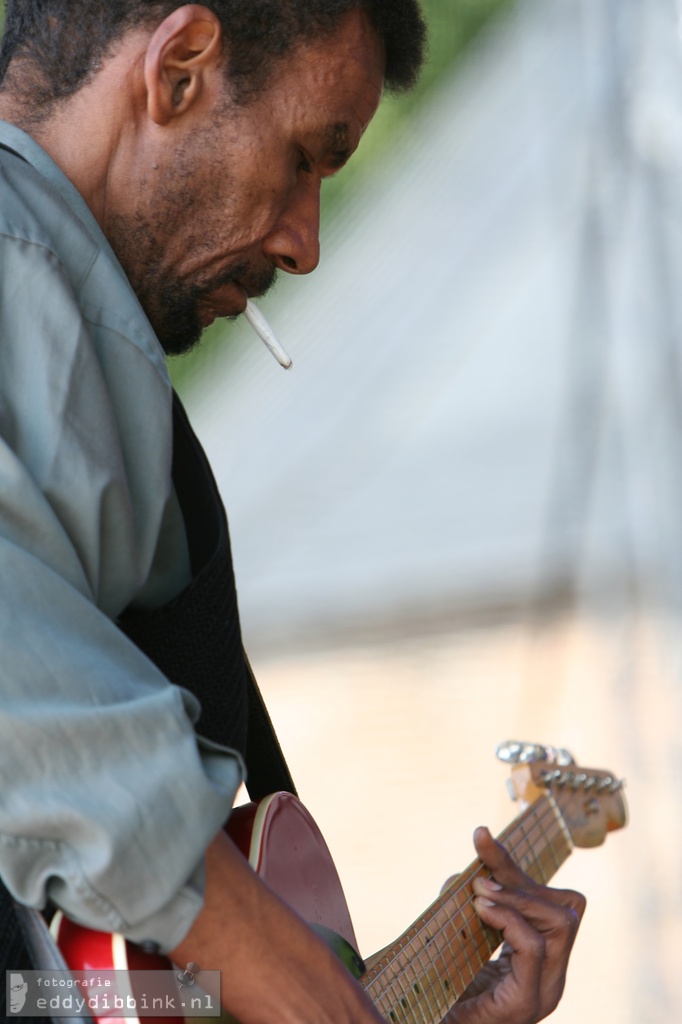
{"x":181,"y":55}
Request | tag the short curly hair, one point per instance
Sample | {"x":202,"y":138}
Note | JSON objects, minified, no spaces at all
{"x":59,"y":44}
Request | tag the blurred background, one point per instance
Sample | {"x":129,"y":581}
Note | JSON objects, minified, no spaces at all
{"x":458,"y":518}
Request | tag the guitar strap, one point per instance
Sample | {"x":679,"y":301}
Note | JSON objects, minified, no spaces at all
{"x":195,"y":639}
{"x":267,"y":769}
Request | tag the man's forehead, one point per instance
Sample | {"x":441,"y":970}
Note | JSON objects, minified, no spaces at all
{"x":336,"y":83}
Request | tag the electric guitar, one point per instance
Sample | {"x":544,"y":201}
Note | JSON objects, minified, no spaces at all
{"x":425,"y":971}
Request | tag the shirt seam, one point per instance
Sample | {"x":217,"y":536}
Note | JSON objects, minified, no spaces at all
{"x":77,"y":286}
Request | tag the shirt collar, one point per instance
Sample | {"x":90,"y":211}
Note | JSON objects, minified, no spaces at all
{"x":34,"y":154}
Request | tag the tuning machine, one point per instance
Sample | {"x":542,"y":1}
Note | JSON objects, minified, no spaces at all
{"x":514,"y":752}
{"x":581,"y":780}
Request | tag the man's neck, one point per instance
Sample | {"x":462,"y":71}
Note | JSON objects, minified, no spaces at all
{"x":88,"y":134}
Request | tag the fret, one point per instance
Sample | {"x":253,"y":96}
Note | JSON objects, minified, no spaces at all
{"x":526,"y":858}
{"x":539,"y":852}
{"x":441,"y":975}
{"x":548,"y":860}
{"x":549,"y":847}
{"x":487,"y":941}
{"x":417,"y":1001}
{"x":531,"y":863}
{"x":403,"y":996}
{"x":449,"y":933}
{"x":467,"y":947}
{"x":477,"y":949}
{"x":378,"y":982}
{"x":444,"y":974}
{"x":463,"y":982}
{"x":568,"y":841}
{"x":429,"y":979}
{"x":437,"y":958}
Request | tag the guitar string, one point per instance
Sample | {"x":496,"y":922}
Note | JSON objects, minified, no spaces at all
{"x":441,"y":903}
{"x":480,"y":937}
{"x":464,"y":909}
{"x":537,"y":818}
{"x":447,"y":957}
{"x":444,"y":1003}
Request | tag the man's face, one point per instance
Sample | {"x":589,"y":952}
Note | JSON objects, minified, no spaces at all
{"x":238,"y":199}
{"x":18,"y":989}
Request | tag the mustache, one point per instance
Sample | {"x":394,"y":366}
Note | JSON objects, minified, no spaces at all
{"x":254,"y":282}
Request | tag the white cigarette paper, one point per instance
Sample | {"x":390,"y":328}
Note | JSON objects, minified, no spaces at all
{"x":266,"y":334}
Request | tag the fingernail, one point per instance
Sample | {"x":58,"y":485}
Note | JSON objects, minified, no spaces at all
{"x":483,"y":901}
{"x":486,"y":884}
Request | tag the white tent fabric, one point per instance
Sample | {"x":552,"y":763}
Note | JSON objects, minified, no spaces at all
{"x":485,"y":399}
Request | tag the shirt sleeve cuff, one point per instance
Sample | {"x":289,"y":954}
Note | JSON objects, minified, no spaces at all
{"x":165,"y":929}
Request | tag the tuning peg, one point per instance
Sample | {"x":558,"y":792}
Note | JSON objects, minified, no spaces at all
{"x":531,"y":753}
{"x":509,"y":751}
{"x":513,"y":752}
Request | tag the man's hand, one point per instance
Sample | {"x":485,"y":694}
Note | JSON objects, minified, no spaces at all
{"x":539,"y":926}
{"x":274,"y":969}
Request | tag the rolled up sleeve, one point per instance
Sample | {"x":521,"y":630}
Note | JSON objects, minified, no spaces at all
{"x":108,"y":797}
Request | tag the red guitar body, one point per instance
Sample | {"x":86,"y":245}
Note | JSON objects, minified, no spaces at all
{"x":283,"y":845}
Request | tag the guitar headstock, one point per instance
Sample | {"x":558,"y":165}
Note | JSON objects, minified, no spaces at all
{"x":591,"y":801}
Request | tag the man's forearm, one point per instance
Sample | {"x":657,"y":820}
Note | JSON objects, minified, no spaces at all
{"x":274,"y":969}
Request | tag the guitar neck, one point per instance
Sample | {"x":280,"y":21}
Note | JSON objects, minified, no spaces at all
{"x":432,"y":963}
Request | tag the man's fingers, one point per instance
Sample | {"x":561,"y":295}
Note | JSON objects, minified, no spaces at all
{"x":553,"y":917}
{"x":545,"y":908}
{"x":496,"y":858}
{"x":539,"y":926}
{"x":517,"y":993}
{"x":448,"y":883}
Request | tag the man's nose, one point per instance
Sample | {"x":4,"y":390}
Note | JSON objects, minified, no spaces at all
{"x":294,"y":242}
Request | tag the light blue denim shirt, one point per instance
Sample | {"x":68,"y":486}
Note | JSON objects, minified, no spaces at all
{"x":108,"y":798}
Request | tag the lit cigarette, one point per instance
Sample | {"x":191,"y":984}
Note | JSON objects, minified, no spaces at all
{"x":266,"y":334}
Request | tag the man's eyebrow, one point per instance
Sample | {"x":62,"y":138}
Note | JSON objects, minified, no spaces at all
{"x":337,"y":141}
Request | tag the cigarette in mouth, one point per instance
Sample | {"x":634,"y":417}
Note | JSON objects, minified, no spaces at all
{"x":266,"y":334}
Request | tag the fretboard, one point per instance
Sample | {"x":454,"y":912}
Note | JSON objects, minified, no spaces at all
{"x":429,"y":967}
